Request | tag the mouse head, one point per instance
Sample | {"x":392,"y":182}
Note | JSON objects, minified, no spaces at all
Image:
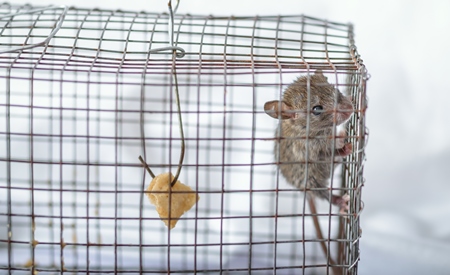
{"x":323,"y":110}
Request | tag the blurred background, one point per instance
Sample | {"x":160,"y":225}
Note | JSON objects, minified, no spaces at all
{"x":405,"y":46}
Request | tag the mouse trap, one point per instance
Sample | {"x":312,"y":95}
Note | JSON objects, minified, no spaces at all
{"x":85,"y":91}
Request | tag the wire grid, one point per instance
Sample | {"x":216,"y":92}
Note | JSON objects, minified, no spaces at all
{"x":77,"y":112}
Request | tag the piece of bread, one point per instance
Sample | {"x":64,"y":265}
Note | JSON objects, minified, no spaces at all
{"x":180,"y":201}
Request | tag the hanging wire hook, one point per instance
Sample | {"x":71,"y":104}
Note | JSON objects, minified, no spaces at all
{"x":177,"y":95}
{"x":180,"y":52}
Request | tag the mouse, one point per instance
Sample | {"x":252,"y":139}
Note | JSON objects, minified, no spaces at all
{"x":318,"y":120}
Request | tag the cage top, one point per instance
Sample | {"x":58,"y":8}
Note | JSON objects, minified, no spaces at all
{"x":113,"y":41}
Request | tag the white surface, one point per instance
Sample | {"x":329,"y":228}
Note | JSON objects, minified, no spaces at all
{"x":404,"y":44}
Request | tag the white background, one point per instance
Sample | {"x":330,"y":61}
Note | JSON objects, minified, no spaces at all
{"x":405,"y":45}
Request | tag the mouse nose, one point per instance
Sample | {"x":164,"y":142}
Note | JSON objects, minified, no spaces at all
{"x":345,"y":110}
{"x":348,"y":104}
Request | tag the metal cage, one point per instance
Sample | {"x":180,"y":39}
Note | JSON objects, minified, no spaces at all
{"x":84,"y":92}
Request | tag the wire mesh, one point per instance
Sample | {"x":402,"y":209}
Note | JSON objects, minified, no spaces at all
{"x":82,"y":96}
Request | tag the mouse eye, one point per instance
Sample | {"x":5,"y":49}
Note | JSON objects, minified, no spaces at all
{"x":317,"y":110}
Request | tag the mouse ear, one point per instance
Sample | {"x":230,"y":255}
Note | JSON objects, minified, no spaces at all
{"x":318,"y":72}
{"x":279,"y":109}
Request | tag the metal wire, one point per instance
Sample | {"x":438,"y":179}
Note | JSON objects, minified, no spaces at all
{"x":77,"y":110}
{"x":177,"y":95}
{"x":171,"y":47}
{"x":31,"y":12}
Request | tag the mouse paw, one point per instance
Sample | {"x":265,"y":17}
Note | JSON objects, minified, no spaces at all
{"x":345,"y":151}
{"x":342,"y":202}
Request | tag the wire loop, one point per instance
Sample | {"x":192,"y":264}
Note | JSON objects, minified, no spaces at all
{"x":171,"y":47}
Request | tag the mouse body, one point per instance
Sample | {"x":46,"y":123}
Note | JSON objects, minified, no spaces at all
{"x":307,"y":142}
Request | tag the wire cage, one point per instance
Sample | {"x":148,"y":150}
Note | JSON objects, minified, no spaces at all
{"x":85,"y":92}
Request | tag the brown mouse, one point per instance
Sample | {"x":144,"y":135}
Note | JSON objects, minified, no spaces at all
{"x":328,"y":108}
